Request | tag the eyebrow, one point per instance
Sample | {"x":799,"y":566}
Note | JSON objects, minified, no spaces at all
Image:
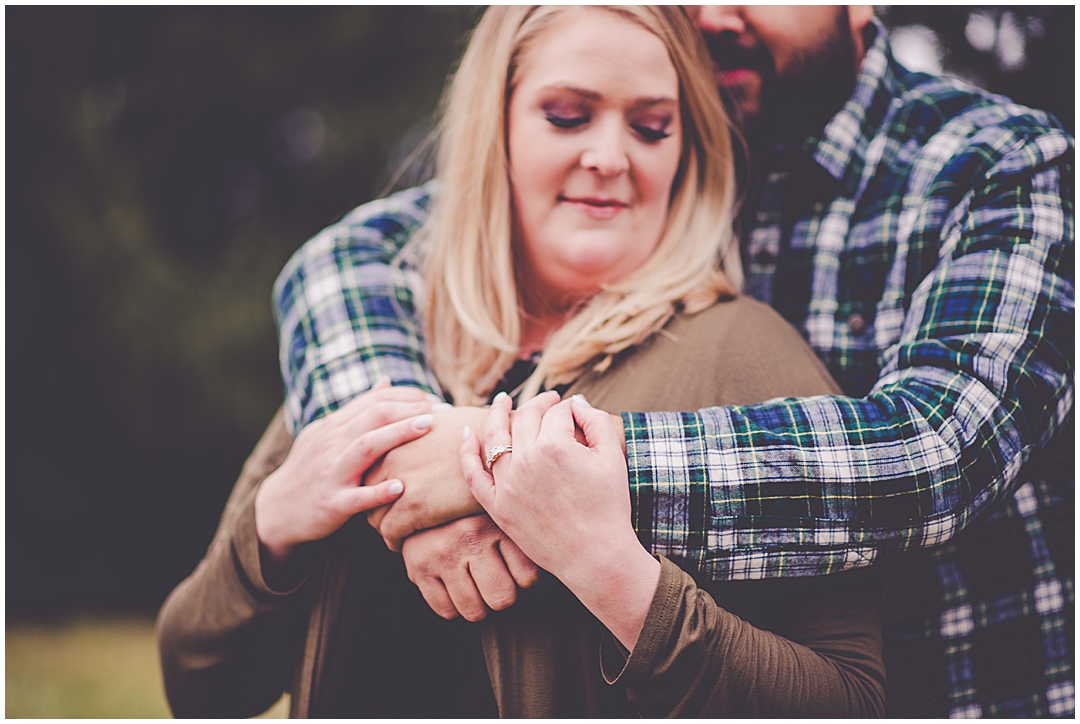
{"x":594,"y":96}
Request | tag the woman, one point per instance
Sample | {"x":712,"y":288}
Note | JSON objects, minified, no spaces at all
{"x":618,"y":174}
{"x":586,"y":188}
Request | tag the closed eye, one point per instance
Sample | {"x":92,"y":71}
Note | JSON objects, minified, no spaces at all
{"x":566,"y":121}
{"x":651,"y":134}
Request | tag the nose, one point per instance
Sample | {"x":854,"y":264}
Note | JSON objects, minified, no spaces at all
{"x":716,"y":19}
{"x":605,"y":153}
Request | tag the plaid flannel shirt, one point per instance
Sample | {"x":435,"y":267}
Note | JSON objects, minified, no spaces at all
{"x":923,"y":245}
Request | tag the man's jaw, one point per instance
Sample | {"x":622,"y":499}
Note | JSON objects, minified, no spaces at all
{"x":741,"y":89}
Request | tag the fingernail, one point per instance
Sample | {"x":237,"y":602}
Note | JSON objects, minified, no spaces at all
{"x":580,"y":399}
{"x":435,"y":399}
{"x":423,"y":422}
{"x":440,"y":406}
{"x":465,"y":433}
{"x":500,"y":396}
{"x":395,"y":487}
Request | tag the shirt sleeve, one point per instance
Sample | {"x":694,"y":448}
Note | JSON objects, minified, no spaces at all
{"x":796,"y":647}
{"x":346,"y":307}
{"x":980,"y":378}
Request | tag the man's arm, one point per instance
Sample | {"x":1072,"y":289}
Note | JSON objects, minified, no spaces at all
{"x":347,"y":312}
{"x":980,"y":379}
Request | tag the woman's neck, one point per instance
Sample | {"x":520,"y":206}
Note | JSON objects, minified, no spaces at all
{"x":536,"y":331}
{"x":540,"y":318}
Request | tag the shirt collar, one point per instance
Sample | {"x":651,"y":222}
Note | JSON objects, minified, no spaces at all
{"x":840,"y":148}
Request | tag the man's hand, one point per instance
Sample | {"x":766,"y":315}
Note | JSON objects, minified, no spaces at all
{"x":467,"y":567}
{"x":435,"y":489}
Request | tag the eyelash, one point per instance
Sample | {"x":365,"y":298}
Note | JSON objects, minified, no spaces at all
{"x":649,"y":134}
{"x":567,"y":122}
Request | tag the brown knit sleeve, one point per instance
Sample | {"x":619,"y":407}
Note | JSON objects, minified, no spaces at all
{"x":225,"y":637}
{"x":820,"y":658}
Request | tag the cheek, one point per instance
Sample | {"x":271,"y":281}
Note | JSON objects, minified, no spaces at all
{"x":655,"y":177}
{"x":537,"y":170}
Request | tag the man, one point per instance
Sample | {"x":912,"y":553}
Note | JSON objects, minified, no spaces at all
{"x":919,"y":235}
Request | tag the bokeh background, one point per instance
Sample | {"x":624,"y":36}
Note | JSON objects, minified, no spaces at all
{"x":162,"y":165}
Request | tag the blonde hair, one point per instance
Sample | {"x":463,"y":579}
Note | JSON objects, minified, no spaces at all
{"x":472,"y":299}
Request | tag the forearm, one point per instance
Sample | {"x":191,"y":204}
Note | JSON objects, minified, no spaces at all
{"x":808,"y":488}
{"x":224,"y":636}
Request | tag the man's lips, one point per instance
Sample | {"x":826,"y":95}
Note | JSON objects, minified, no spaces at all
{"x":595,"y":208}
{"x":736,"y":62}
{"x":734,"y":76}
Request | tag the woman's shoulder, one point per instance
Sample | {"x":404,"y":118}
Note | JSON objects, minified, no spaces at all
{"x":735,"y":352}
{"x":732,"y":318}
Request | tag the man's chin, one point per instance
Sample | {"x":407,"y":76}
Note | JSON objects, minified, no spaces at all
{"x":743,"y":104}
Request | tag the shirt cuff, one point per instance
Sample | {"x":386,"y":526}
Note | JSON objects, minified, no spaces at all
{"x":248,"y":561}
{"x":667,"y":456}
{"x":616,"y":664}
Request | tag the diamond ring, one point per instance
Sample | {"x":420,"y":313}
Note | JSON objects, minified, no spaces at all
{"x":495,"y":453}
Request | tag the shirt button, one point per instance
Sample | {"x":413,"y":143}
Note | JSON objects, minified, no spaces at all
{"x":856,"y":323}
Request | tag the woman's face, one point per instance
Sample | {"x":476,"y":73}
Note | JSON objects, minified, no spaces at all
{"x":594,"y":144}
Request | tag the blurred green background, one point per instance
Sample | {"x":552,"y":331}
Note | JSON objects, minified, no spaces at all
{"x":162,"y":165}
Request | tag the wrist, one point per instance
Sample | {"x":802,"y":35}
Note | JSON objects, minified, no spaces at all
{"x":618,"y":586}
{"x":270,"y":529}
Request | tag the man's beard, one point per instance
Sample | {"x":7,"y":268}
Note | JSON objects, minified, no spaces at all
{"x":805,"y":97}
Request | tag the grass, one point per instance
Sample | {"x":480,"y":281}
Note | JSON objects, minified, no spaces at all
{"x":87,"y":668}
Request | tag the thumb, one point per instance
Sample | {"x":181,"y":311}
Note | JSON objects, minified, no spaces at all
{"x":599,"y":431}
{"x":357,"y":499}
{"x":477,"y":477}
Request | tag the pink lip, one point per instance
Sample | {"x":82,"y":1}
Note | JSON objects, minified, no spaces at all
{"x":733,"y":76}
{"x":596,"y":208}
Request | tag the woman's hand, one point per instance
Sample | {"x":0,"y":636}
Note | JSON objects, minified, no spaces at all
{"x":318,"y":487}
{"x":567,"y":504}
